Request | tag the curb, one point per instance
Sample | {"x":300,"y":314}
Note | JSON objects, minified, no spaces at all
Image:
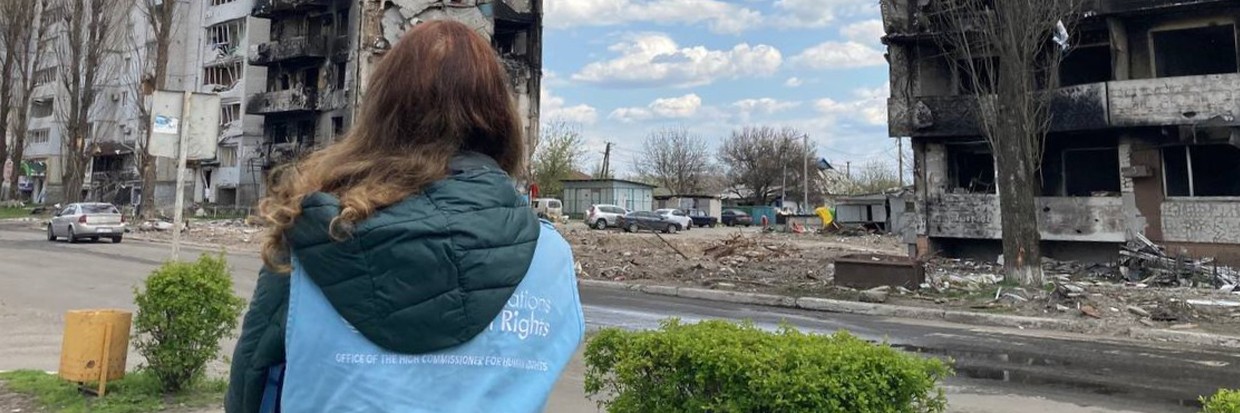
{"x":921,"y":313}
{"x":196,"y":245}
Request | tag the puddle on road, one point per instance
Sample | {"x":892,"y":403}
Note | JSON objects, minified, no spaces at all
{"x":979,"y":372}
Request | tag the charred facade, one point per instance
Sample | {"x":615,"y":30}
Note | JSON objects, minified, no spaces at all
{"x":1144,"y":136}
{"x":321,"y":53}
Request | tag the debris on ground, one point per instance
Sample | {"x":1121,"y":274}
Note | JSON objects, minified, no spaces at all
{"x":1149,"y":263}
{"x":804,"y":265}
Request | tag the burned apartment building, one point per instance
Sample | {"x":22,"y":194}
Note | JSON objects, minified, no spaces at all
{"x":321,"y":52}
{"x":1144,"y":136}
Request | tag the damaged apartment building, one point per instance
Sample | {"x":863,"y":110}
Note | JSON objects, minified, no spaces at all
{"x":1144,"y":137}
{"x":320,"y":53}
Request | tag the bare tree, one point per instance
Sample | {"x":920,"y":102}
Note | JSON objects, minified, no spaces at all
{"x":675,"y":159}
{"x":22,"y":36}
{"x":872,"y":177}
{"x":1008,"y":52}
{"x":8,"y":39}
{"x":764,"y":163}
{"x":160,"y":17}
{"x":558,"y":155}
{"x":91,"y":29}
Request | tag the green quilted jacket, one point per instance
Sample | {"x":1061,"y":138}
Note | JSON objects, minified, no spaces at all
{"x":398,"y":279}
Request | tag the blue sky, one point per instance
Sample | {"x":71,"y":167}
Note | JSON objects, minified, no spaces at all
{"x":622,"y":68}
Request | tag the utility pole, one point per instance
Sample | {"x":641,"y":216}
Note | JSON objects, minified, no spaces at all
{"x":183,"y":152}
{"x":900,"y":151}
{"x":848,"y":169}
{"x":805,"y":176}
{"x":606,"y":161}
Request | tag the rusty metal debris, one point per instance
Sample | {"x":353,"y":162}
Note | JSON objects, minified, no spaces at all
{"x":1144,"y":261}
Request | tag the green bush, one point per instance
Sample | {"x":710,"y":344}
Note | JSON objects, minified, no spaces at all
{"x":1225,"y":401}
{"x":183,"y":313}
{"x":717,"y":366}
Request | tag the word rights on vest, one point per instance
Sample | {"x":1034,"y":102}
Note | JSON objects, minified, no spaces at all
{"x":524,"y":316}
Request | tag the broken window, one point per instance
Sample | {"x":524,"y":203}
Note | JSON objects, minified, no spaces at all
{"x":341,"y":75}
{"x":42,"y":108}
{"x":934,"y":76}
{"x":224,"y":39}
{"x":229,"y":113}
{"x":1080,"y":165}
{"x":1202,"y":170}
{"x":38,"y":135}
{"x":337,"y":125}
{"x":342,"y":20}
{"x":44,"y":76}
{"x":1196,"y":51}
{"x":305,"y":133}
{"x":289,"y":28}
{"x":225,"y":75}
{"x":971,"y":168}
{"x":1089,"y":61}
{"x":228,"y":156}
{"x":976,"y":78}
{"x":279,"y":133}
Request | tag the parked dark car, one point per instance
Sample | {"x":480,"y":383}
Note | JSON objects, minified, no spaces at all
{"x":734,"y":217}
{"x":650,"y":221}
{"x":702,"y":219}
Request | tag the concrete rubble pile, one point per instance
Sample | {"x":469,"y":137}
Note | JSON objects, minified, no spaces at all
{"x":1147,"y":263}
{"x":740,"y":249}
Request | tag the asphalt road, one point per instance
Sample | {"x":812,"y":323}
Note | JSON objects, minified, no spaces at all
{"x":999,"y":370}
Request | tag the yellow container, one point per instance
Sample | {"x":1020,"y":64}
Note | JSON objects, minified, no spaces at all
{"x":95,"y":342}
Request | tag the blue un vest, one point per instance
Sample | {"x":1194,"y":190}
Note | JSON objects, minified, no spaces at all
{"x":510,"y":367}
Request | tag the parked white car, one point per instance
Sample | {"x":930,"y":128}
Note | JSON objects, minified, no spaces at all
{"x":677,"y":216}
{"x":602,"y":216}
{"x":89,"y":220}
{"x":550,"y":209}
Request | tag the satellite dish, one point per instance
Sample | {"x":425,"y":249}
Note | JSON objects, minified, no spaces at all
{"x":823,"y":165}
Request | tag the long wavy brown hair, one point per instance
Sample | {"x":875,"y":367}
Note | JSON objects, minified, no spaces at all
{"x":440,"y":91}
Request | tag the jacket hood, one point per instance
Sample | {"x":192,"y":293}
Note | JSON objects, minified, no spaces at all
{"x":430,"y":272}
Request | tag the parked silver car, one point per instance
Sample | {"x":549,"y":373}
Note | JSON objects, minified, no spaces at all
{"x":88,"y":220}
{"x":602,"y":216}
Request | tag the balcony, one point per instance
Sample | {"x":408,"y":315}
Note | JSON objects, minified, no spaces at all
{"x":292,"y":50}
{"x":274,"y":8}
{"x":1187,"y":100}
{"x":976,"y":216}
{"x":335,"y":99}
{"x":283,"y":101}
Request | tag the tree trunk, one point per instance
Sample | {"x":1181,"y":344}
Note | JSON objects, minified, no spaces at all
{"x":1018,"y":187}
{"x":146,"y":207}
{"x":161,"y":21}
{"x":6,"y":94}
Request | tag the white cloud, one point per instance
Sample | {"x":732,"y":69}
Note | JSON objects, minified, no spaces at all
{"x":870,"y":106}
{"x":763,"y":105}
{"x":839,"y":55}
{"x":869,"y":32}
{"x":665,"y":108}
{"x":819,"y":13}
{"x":793,"y":82}
{"x":553,"y":108}
{"x":720,"y":16}
{"x":654,"y":60}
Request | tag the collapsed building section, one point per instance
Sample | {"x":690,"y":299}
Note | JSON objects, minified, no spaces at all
{"x":307,"y":58}
{"x":1144,"y":138}
{"x":322,"y":52}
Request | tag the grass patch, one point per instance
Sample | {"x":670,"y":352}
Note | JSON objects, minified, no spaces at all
{"x":6,"y":213}
{"x":138,"y":392}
